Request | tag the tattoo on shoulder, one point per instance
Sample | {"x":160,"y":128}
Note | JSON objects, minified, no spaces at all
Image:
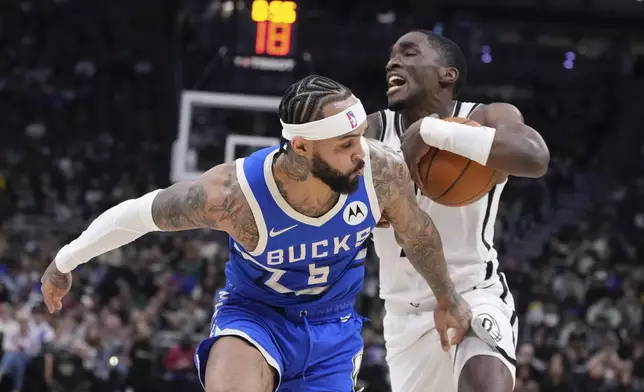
{"x":215,"y":200}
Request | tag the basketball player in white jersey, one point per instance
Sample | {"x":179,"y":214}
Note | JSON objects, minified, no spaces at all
{"x":424,"y":73}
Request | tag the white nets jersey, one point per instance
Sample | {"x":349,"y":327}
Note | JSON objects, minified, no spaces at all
{"x":466,"y":233}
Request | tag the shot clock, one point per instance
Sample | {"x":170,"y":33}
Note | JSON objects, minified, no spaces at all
{"x":267,"y":35}
{"x":275,"y":20}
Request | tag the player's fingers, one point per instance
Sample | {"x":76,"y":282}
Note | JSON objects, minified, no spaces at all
{"x":48,"y":297}
{"x":58,"y":304}
{"x":442,"y":333}
{"x":457,"y":335}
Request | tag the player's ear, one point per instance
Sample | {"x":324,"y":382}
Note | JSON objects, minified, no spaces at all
{"x":300,"y":146}
{"x":449,"y":75}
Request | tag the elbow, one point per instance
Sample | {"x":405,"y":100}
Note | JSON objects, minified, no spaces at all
{"x":537,"y":162}
{"x":532,"y":160}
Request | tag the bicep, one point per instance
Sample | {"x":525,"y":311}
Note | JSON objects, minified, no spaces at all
{"x":497,"y":114}
{"x":181,"y":206}
{"x":194,"y":204}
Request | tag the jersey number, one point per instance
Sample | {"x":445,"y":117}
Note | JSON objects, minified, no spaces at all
{"x":317,"y":275}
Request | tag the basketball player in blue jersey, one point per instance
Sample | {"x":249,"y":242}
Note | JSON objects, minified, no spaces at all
{"x":298,"y":216}
{"x":424,"y":74}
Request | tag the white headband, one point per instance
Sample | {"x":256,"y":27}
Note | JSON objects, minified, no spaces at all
{"x":329,"y":127}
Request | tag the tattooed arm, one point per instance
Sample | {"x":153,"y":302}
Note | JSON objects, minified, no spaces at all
{"x":414,"y":229}
{"x":214,"y":200}
{"x":417,"y":235}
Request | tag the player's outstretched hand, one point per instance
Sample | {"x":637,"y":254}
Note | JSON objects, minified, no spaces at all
{"x":55,"y":285}
{"x":452,"y":318}
{"x":414,"y":149}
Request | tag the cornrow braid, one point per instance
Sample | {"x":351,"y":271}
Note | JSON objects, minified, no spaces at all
{"x":304,"y":100}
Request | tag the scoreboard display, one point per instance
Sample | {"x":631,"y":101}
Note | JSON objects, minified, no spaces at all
{"x":267,"y":32}
{"x":275,"y":20}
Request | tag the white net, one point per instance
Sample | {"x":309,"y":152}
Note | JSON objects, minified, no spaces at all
{"x":220,"y":127}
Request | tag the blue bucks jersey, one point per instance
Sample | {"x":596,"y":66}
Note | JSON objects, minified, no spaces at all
{"x":300,"y":259}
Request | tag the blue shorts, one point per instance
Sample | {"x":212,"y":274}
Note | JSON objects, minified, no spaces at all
{"x":316,"y":349}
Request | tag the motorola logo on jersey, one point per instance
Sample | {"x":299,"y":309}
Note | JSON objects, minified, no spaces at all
{"x":355,"y":213}
{"x":318,"y":249}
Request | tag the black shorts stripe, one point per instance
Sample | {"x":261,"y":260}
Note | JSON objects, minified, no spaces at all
{"x":500,"y":350}
{"x":505,"y":355}
{"x":513,"y":320}
{"x":383,"y":125}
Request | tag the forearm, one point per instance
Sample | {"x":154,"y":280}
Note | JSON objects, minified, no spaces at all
{"x":518,"y":150}
{"x":114,"y":228}
{"x":424,"y":249}
{"x":512,"y":147}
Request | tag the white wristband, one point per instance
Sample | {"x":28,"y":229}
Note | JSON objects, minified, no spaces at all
{"x":114,"y":228}
{"x":468,"y":141}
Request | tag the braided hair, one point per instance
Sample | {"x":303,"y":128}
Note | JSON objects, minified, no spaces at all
{"x":304,"y":100}
{"x":451,"y":55}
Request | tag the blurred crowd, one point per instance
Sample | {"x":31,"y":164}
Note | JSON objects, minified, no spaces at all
{"x":79,"y":136}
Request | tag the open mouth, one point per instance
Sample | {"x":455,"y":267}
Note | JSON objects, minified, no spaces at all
{"x":395,"y":83}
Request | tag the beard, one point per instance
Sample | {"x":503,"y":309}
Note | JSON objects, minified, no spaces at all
{"x":335,"y":179}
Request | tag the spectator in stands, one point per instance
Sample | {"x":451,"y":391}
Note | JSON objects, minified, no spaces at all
{"x":18,"y":346}
{"x":178,"y":363}
{"x":558,"y":379}
{"x":140,"y":374}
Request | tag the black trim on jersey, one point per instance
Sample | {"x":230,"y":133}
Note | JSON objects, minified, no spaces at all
{"x":383,"y":124}
{"x":398,"y":124}
{"x":488,"y":209}
{"x":513,"y":319}
{"x":489,"y":269}
{"x":457,"y":108}
{"x":506,"y":290}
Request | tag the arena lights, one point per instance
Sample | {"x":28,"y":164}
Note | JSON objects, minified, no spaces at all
{"x":569,"y":62}
{"x":486,"y":54}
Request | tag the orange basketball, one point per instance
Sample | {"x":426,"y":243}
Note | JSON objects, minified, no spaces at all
{"x":453,"y":180}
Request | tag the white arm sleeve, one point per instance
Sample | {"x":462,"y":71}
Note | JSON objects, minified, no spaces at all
{"x":467,"y":141}
{"x":114,"y":228}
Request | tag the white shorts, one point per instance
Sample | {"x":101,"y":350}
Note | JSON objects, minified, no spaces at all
{"x":417,"y":363}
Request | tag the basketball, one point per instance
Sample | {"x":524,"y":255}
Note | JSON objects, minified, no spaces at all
{"x":453,"y":180}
